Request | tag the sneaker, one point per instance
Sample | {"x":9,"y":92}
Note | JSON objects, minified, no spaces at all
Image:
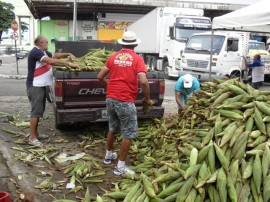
{"x":109,"y":159}
{"x":123,"y":170}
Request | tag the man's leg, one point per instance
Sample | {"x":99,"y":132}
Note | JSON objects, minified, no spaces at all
{"x":129,"y":127}
{"x":256,"y":85}
{"x":125,"y":145}
{"x":33,"y":129}
{"x":110,"y":141}
{"x":114,"y":127}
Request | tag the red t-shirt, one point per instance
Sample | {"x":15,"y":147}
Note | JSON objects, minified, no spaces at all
{"x":123,"y":81}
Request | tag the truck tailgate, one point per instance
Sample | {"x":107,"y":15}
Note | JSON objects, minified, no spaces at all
{"x":83,"y":90}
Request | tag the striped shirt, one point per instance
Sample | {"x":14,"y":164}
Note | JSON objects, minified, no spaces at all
{"x":39,"y":73}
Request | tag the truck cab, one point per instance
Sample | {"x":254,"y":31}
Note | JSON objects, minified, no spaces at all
{"x":257,"y":47}
{"x":228,"y":49}
{"x":164,"y":33}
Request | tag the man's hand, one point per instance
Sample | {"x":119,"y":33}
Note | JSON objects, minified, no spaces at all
{"x":73,"y":65}
{"x":146,"y":105}
{"x":147,"y":102}
{"x":184,"y":107}
{"x":71,"y":57}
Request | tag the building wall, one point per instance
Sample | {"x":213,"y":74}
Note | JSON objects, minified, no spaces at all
{"x":22,"y":14}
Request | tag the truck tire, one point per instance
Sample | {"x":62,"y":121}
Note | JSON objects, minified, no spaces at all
{"x":56,"y":124}
{"x":49,"y":94}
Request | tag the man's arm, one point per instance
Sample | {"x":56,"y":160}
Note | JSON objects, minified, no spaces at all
{"x":57,"y":62}
{"x":64,"y":55}
{"x":178,"y":101}
{"x":102,"y":74}
{"x":145,"y":88}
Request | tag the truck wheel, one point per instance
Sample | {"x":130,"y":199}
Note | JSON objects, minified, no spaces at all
{"x":56,"y":124}
{"x":165,"y":69}
{"x":49,"y":94}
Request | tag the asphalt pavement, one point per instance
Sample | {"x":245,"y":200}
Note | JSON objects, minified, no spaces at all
{"x":11,"y":68}
{"x":9,"y":170}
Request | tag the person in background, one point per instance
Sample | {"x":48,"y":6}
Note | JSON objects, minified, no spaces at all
{"x":39,"y":76}
{"x":124,"y":68}
{"x":257,"y":73}
{"x":184,"y":88}
{"x":226,"y":77}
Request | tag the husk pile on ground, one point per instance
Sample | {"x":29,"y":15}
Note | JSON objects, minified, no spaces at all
{"x":218,"y":150}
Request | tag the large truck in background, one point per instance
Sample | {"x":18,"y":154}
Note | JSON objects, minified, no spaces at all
{"x":228,"y":50}
{"x":164,"y":32}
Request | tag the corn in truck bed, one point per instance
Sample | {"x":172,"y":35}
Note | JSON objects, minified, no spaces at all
{"x":80,"y":97}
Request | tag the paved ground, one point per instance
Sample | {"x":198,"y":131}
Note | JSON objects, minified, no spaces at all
{"x":17,"y":177}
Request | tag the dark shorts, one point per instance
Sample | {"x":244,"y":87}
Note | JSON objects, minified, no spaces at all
{"x":257,"y":85}
{"x":122,"y":117}
{"x":37,"y":98}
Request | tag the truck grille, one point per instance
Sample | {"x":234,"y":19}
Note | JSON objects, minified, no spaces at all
{"x":197,"y":63}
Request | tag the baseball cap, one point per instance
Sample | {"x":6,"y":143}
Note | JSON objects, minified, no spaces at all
{"x":187,"y":81}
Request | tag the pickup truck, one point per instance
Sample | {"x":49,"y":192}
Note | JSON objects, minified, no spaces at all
{"x":80,"y":97}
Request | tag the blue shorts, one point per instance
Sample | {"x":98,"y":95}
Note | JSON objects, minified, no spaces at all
{"x":122,"y":117}
{"x":37,"y":98}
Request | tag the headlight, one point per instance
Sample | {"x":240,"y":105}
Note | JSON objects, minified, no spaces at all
{"x":184,"y":60}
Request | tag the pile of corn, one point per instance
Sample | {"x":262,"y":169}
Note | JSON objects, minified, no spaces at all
{"x":218,"y":150}
{"x":92,"y":61}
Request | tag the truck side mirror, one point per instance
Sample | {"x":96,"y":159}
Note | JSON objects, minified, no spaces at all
{"x":172,"y":35}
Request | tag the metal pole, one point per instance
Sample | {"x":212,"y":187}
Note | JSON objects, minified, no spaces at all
{"x":74,"y":20}
{"x":211,"y":55}
{"x":16,"y":56}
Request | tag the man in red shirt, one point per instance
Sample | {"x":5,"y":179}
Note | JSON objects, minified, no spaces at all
{"x":124,"y":68}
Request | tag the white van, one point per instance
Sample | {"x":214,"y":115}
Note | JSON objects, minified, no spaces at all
{"x":228,"y":50}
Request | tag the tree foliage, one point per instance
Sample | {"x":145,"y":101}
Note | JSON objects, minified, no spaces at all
{"x":6,"y":16}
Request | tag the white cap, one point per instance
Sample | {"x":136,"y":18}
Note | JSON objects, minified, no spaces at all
{"x":129,"y":38}
{"x":187,"y":79}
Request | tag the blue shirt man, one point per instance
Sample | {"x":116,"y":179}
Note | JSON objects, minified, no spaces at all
{"x":257,"y":71}
{"x":184,"y":87}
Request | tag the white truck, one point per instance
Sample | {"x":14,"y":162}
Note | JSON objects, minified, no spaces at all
{"x":164,"y":32}
{"x":228,"y":50}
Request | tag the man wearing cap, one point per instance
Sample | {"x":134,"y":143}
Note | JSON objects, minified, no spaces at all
{"x":184,"y":87}
{"x":124,"y":68}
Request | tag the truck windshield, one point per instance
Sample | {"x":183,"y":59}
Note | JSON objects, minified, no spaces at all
{"x":201,"y":44}
{"x":256,"y":46}
{"x":184,"y":34}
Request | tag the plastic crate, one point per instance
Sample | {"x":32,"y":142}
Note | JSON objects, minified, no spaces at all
{"x":5,"y":197}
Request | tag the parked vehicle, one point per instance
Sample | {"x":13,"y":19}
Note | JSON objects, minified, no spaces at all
{"x":257,"y":47}
{"x":80,"y":97}
{"x":164,"y":33}
{"x":22,"y":54}
{"x":228,"y":51}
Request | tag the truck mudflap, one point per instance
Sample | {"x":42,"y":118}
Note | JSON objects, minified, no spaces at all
{"x":67,"y":116}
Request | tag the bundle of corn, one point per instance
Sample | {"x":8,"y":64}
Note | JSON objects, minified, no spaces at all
{"x":218,"y":150}
{"x":92,"y":61}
